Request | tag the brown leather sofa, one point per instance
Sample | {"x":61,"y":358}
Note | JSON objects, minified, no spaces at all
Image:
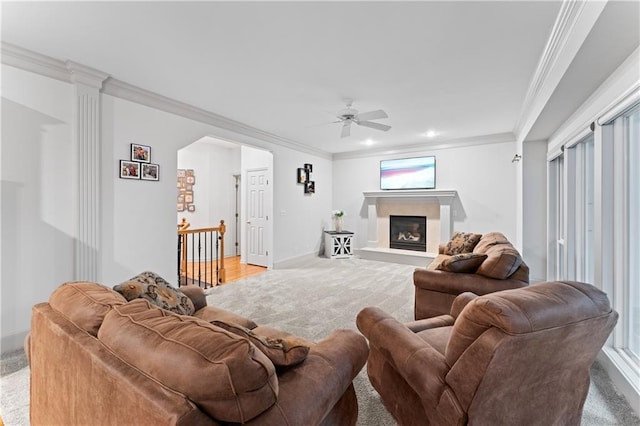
{"x":491,"y":264}
{"x":515,"y":357}
{"x":97,"y":359}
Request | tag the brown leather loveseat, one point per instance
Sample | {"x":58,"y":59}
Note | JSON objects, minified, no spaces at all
{"x":477,"y":263}
{"x":97,"y":359}
{"x":514,"y":357}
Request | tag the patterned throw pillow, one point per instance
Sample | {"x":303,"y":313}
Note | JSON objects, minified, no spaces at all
{"x":157,"y":290}
{"x":465,"y":263}
{"x":283,"y":352}
{"x":462,"y":242}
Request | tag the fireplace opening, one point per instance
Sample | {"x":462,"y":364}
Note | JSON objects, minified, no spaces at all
{"x":408,"y":233}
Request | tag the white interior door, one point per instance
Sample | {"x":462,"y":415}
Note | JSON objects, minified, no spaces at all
{"x":258,"y":202}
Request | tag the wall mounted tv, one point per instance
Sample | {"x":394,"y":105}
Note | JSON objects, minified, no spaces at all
{"x":408,"y":173}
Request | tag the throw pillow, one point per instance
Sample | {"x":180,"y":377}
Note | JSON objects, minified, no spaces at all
{"x":502,"y":261}
{"x":152,"y":287}
{"x":464,"y":263}
{"x":462,"y":242}
{"x":283,"y":352}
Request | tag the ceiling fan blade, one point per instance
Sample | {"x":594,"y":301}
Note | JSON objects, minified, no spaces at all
{"x":372,"y":115}
{"x":373,"y":125}
{"x":346,"y":129}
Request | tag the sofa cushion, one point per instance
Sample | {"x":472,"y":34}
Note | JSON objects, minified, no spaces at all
{"x":283,"y":352}
{"x":463,"y":262}
{"x":155,"y":289}
{"x":222,"y":373}
{"x":85,"y":304}
{"x":502,"y":261}
{"x":489,"y":240}
{"x":462,"y":242}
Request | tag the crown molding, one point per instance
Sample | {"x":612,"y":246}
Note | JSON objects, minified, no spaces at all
{"x":82,"y":74}
{"x":571,"y":28}
{"x":27,"y":60}
{"x":429,"y":146}
{"x":73,"y":72}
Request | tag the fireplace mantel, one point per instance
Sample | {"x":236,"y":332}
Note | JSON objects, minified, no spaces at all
{"x":443,"y":197}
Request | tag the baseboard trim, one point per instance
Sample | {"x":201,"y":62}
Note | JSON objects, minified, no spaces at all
{"x":294,"y":262}
{"x":621,"y":376}
{"x":13,"y":342}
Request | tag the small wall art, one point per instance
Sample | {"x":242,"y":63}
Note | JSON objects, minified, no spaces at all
{"x":129,"y":169}
{"x":186,"y":181}
{"x":150,"y":172}
{"x":303,"y":177}
{"x":140,"y":153}
{"x":139,"y":167}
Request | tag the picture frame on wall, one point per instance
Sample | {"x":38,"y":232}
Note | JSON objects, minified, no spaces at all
{"x":129,"y":169}
{"x":150,"y":172}
{"x":303,"y":175}
{"x":310,"y":187}
{"x":308,"y":167}
{"x":141,"y":153}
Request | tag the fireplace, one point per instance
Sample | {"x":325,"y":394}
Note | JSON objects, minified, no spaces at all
{"x":408,"y":232}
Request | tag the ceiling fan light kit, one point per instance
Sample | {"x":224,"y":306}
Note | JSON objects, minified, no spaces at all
{"x":351,"y":115}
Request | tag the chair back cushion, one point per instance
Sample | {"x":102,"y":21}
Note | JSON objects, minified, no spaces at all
{"x":85,"y":304}
{"x":225,"y":375}
{"x":525,"y":342}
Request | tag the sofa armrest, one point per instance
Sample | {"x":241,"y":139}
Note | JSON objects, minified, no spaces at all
{"x":309,"y":391}
{"x":419,"y":363}
{"x":460,"y":302}
{"x":196,"y":294}
{"x":429,"y":323}
{"x":456,"y":283}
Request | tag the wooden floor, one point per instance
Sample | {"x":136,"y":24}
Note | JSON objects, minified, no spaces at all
{"x":234,"y":270}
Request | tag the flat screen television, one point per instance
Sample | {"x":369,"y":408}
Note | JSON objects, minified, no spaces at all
{"x":408,"y":173}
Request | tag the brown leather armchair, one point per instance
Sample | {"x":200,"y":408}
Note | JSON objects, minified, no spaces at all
{"x":436,"y":286}
{"x":513,"y":357}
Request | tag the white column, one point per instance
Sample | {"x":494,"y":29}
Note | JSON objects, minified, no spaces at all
{"x":372,"y":222}
{"x":446,"y":222}
{"x":86,"y":132}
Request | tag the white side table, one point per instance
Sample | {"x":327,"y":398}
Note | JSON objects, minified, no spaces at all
{"x":337,"y":245}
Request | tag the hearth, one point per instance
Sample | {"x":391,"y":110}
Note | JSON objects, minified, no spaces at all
{"x":408,"y":232}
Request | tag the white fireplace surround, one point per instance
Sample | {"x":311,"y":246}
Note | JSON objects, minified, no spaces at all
{"x":373,"y":200}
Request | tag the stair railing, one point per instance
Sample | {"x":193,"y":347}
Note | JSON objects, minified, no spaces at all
{"x":201,"y":255}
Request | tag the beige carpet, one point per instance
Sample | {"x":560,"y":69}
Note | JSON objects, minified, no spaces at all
{"x":311,"y":300}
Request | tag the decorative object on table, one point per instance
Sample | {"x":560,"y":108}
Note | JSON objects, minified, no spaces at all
{"x":150,"y":172}
{"x":337,"y":220}
{"x":185,"y":183}
{"x":129,"y":169}
{"x":310,"y":187}
{"x":141,"y":153}
{"x":303,"y":175}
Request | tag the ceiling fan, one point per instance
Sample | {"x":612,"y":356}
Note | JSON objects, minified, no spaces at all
{"x":350,"y":115}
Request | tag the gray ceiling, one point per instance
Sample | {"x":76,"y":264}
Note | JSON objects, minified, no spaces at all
{"x":461,"y":69}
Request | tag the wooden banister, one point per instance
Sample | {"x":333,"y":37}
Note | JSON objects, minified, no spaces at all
{"x":184,"y":233}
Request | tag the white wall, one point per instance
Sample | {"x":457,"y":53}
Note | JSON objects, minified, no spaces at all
{"x":214,"y":189}
{"x":39,"y":200}
{"x":292,"y":207}
{"x":39,"y":194}
{"x":534,"y":209}
{"x":483,"y":175}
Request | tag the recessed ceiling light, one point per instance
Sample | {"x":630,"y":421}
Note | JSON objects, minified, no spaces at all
{"x":368,"y":142}
{"x":431,"y":134}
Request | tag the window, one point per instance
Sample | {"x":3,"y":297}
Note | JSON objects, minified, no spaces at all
{"x":631,"y":316}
